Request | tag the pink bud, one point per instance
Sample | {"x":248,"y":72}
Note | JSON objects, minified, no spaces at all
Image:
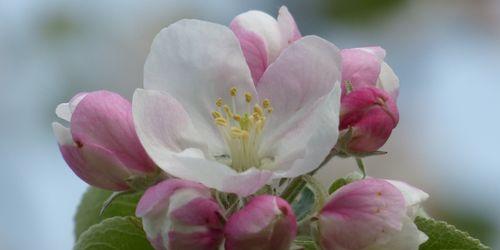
{"x":101,"y":146}
{"x":181,"y":215}
{"x":266,"y":222}
{"x":367,"y":117}
{"x":361,"y":214}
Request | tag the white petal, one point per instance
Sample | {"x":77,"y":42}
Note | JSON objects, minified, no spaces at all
{"x":65,"y":110}
{"x":304,"y":123}
{"x":197,"y":62}
{"x":266,"y":27}
{"x":62,"y":134}
{"x":387,"y":80}
{"x":413,"y":196}
{"x":409,"y":238}
{"x":162,"y":124}
{"x":212,"y":173}
{"x":310,"y":136}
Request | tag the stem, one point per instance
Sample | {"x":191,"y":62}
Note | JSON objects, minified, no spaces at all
{"x":361,"y":166}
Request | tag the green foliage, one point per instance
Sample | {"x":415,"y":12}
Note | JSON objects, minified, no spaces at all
{"x":304,"y":243}
{"x":337,"y":184}
{"x":443,"y":236}
{"x":92,"y":201}
{"x":304,"y":204}
{"x":117,"y":233}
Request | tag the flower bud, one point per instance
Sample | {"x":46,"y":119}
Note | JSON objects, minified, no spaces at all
{"x":101,"y":145}
{"x":371,"y":214}
{"x":266,"y":222}
{"x":181,"y":215}
{"x":367,"y":117}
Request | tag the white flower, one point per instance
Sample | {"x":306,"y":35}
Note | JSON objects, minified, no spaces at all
{"x":201,"y":118}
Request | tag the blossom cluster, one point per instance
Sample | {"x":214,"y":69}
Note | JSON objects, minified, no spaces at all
{"x":228,"y":130}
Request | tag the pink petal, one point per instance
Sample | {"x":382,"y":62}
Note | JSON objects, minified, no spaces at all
{"x":161,"y":192}
{"x":104,"y":118}
{"x":360,"y":214}
{"x":372,"y":114}
{"x":359,"y":67}
{"x":96,"y":166}
{"x":254,"y":49}
{"x":266,"y":222}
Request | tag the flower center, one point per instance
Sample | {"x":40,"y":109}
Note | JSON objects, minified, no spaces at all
{"x":242,"y":132}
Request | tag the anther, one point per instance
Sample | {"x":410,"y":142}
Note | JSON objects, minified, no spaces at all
{"x":219,"y":102}
{"x":257,"y":109}
{"x":221,"y":121}
{"x":248,"y":97}
{"x":266,"y":103}
{"x":216,"y":114}
{"x":233,"y":91}
{"x":237,"y":118}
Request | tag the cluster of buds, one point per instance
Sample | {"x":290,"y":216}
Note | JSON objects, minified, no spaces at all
{"x":215,"y":188}
{"x":182,"y":215}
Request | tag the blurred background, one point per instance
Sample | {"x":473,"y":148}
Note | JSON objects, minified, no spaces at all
{"x":445,"y":53}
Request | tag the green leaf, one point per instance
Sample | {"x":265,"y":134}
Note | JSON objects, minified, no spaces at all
{"x":304,"y":204}
{"x":92,"y":201}
{"x":304,"y":243}
{"x":443,"y":236}
{"x":337,"y":184}
{"x":117,"y":233}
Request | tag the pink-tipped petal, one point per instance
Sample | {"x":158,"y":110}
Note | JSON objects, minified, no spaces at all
{"x":360,"y":214}
{"x":266,"y":222}
{"x":160,"y":193}
{"x":289,"y":30}
{"x":254,"y":49}
{"x":359,"y":67}
{"x":104,"y":118}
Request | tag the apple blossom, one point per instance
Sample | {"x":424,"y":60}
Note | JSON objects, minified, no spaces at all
{"x":368,"y":112}
{"x":101,"y":145}
{"x":263,"y":38}
{"x":267,"y":222}
{"x":372,"y":214}
{"x":202,"y":118}
{"x":181,"y":215}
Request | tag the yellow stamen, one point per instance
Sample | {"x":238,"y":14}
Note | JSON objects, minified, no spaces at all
{"x":219,"y":102}
{"x":248,"y":97}
{"x":233,"y":91}
{"x":270,"y":110}
{"x":257,"y":109}
{"x":221,"y":121}
{"x":216,"y":114}
{"x":266,"y":103}
{"x":236,"y":132}
{"x":237,"y":118}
